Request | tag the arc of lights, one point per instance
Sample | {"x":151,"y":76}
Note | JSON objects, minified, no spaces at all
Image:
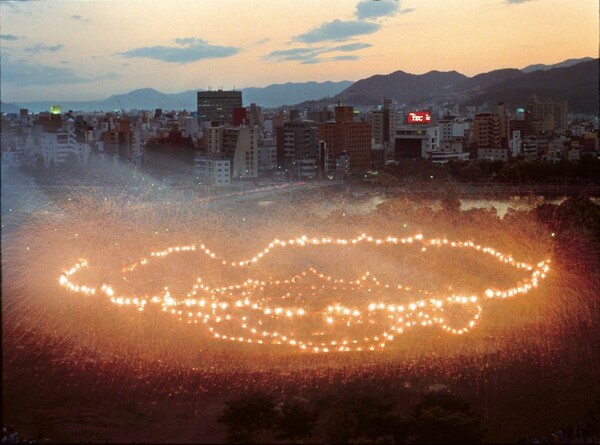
{"x":240,"y":307}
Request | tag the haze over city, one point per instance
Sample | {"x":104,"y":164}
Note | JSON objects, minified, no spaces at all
{"x":82,"y":50}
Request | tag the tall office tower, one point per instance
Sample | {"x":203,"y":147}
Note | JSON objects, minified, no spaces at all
{"x":546,"y":116}
{"x":347,"y":137}
{"x":504,"y":117}
{"x":486,"y":131}
{"x":217,"y":106}
{"x":299,"y":140}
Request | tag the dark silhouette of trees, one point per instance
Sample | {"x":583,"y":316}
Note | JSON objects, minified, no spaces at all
{"x":295,"y":420}
{"x":364,"y":415}
{"x":576,"y":216}
{"x":248,"y":418}
{"x":450,"y":201}
{"x":445,"y":418}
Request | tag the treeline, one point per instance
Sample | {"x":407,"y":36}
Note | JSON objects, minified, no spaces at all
{"x":518,"y":172}
{"x":509,"y":172}
{"x":360,"y":414}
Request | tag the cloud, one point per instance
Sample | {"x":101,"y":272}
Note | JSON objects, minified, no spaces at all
{"x":330,"y":59}
{"x":79,"y":18}
{"x":351,"y":47}
{"x":188,"y":41}
{"x":107,"y":76}
{"x":295,"y":54}
{"x":337,"y":31}
{"x":190,"y":49}
{"x":40,"y":47}
{"x":374,"y":9}
{"x":24,"y":73}
{"x":370,"y":9}
{"x":262,"y":41}
{"x":515,"y":2}
{"x":9,"y":37}
{"x":311,"y":55}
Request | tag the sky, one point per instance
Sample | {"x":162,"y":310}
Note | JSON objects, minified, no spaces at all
{"x":86,"y":50}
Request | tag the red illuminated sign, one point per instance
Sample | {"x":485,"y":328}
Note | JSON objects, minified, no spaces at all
{"x":419,"y":117}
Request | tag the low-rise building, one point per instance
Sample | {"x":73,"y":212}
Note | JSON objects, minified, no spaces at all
{"x":212,"y":171}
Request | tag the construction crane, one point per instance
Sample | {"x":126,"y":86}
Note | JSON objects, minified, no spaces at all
{"x":121,"y":106}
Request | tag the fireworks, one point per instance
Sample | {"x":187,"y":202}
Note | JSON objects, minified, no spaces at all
{"x":367,"y":313}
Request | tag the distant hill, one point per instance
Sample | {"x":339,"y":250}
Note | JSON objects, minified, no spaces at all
{"x":8,"y":107}
{"x":577,"y":84}
{"x":149,"y":99}
{"x":291,"y":93}
{"x":482,"y":81}
{"x":564,"y":64}
{"x":574,"y":80}
{"x":402,"y":87}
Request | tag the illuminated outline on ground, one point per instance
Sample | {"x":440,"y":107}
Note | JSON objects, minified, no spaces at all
{"x":240,"y":306}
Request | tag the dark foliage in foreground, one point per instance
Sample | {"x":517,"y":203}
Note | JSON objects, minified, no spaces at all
{"x":354,"y":418}
{"x":248,"y":417}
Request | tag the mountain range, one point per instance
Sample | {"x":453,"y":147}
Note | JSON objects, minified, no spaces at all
{"x":564,"y":64}
{"x":574,"y":80}
{"x":575,"y":83}
{"x":149,"y":99}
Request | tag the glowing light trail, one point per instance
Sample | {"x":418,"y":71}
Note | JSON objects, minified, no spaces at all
{"x":238,"y":312}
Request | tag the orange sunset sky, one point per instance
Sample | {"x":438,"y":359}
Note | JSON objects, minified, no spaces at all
{"x":82,"y":50}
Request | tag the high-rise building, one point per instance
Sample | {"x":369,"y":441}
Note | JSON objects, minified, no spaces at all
{"x":382,"y":124}
{"x":546,"y":116}
{"x":321,"y":116}
{"x":239,"y":116}
{"x":217,"y":106}
{"x":504,"y":119}
{"x":486,"y":131}
{"x":345,"y":135}
{"x":241,"y":145}
{"x":297,"y":140}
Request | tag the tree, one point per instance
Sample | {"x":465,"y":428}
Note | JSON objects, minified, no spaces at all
{"x":248,"y":417}
{"x":471,"y":172}
{"x":362,"y":418}
{"x":444,"y":418}
{"x":449,"y":200}
{"x":295,"y":420}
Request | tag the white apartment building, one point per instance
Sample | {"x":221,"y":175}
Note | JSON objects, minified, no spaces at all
{"x":57,"y":148}
{"x":211,"y":171}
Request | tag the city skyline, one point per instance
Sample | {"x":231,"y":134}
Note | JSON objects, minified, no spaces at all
{"x":85,"y":50}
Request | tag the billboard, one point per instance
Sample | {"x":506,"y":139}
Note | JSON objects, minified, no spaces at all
{"x":418,"y":117}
